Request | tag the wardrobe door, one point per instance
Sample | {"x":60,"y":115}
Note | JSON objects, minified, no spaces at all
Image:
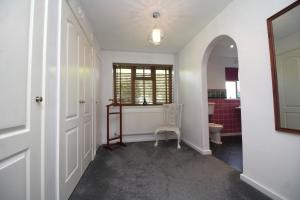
{"x":97,"y":106}
{"x":21,"y":102}
{"x":86,"y":101}
{"x":70,"y":130}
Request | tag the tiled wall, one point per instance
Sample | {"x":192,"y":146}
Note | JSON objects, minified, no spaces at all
{"x":227,"y":115}
{"x":216,"y":93}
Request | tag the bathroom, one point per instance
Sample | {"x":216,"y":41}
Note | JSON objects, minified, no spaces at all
{"x":224,"y":108}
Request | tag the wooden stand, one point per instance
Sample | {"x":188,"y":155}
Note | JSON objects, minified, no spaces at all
{"x":108,"y":145}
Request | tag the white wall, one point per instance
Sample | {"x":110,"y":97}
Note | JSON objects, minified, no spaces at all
{"x":270,"y":158}
{"x":216,"y":71}
{"x":146,"y":123}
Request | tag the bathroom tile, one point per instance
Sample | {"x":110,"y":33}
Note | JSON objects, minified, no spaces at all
{"x":230,"y":151}
{"x":227,"y":115}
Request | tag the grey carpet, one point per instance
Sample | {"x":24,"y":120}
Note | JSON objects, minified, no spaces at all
{"x":142,"y":172}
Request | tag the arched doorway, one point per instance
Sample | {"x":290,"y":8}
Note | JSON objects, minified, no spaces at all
{"x":221,"y":81}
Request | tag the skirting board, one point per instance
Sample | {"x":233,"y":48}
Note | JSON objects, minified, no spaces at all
{"x":143,"y":137}
{"x":261,"y":188}
{"x":202,"y":151}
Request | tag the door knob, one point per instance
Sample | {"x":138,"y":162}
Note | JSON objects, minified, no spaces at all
{"x":39,"y":99}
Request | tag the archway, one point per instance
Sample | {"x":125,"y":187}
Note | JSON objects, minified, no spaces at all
{"x":220,"y":81}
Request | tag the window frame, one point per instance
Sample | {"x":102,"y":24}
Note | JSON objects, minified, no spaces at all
{"x":153,"y":68}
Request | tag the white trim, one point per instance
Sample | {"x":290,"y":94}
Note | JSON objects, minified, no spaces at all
{"x":202,"y":151}
{"x":145,"y":132}
{"x":270,"y":193}
{"x":139,"y":138}
{"x":146,"y":137}
{"x":230,"y":134}
{"x":58,"y":76}
{"x":143,"y":137}
{"x":43,"y":114}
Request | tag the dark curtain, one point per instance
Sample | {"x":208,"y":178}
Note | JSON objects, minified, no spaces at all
{"x":231,"y":74}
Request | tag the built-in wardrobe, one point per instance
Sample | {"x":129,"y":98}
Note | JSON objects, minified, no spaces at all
{"x":49,"y":105}
{"x":78,"y":101}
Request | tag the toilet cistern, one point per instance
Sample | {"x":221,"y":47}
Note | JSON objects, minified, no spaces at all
{"x":211,"y":108}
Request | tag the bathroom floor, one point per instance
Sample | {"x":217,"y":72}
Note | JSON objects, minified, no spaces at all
{"x":230,"y":151}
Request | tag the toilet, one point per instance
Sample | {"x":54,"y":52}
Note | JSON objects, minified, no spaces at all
{"x":215,"y":133}
{"x":214,"y":129}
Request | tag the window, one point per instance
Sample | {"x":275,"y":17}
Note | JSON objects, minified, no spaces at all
{"x":232,"y":83}
{"x":142,"y":84}
{"x":232,"y":89}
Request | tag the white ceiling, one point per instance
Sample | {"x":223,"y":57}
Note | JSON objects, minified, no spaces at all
{"x":223,"y":48}
{"x":223,"y":54}
{"x":125,"y":24}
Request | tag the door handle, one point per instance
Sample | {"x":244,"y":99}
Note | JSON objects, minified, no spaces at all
{"x":39,"y":99}
{"x":81,"y":101}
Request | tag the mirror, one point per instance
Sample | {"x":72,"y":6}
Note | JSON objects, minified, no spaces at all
{"x":284,"y":41}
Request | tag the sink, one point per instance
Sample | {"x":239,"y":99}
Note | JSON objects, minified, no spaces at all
{"x":211,"y":108}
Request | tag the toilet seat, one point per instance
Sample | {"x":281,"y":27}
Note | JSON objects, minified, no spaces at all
{"x":213,"y":125}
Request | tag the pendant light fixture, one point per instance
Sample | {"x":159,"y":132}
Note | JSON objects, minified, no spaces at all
{"x":156,"y":35}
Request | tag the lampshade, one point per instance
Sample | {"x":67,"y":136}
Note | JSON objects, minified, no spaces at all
{"x":156,"y":35}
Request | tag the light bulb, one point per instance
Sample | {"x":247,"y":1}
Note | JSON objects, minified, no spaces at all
{"x":156,"y":36}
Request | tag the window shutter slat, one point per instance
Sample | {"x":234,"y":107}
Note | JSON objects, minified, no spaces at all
{"x":123,"y":85}
{"x":138,"y":83}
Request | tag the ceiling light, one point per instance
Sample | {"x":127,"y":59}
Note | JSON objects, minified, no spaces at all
{"x":232,"y":46}
{"x":156,"y":35}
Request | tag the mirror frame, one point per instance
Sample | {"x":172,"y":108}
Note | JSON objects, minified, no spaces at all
{"x":273,"y":68}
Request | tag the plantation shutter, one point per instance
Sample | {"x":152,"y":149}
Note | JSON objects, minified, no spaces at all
{"x":163,"y":83}
{"x":142,"y":84}
{"x":123,"y":88}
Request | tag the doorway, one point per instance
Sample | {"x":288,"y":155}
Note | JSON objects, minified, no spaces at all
{"x":224,"y":106}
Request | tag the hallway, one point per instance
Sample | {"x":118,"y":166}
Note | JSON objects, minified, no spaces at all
{"x":140,"y":171}
{"x":204,"y":69}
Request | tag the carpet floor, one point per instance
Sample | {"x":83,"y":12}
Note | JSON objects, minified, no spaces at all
{"x":142,"y":172}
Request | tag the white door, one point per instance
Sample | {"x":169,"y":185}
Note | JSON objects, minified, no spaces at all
{"x":70,"y":131}
{"x":76,"y":124}
{"x":289,"y":92}
{"x":96,"y":76}
{"x":21,"y":68}
{"x":86,"y":99}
